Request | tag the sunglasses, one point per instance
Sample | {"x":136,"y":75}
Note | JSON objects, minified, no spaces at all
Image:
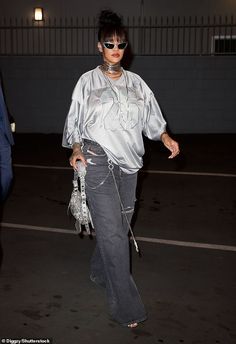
{"x":120,"y":46}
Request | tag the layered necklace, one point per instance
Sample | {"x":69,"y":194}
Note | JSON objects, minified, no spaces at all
{"x":123,"y":105}
{"x":109,"y":82}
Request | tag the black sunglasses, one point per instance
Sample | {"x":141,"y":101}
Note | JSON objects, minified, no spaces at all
{"x":109,"y":45}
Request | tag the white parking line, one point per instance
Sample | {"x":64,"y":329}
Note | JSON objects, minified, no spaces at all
{"x":37,"y":228}
{"x":189,"y":173}
{"x":188,"y":244}
{"x":43,"y":167}
{"x":138,"y":238}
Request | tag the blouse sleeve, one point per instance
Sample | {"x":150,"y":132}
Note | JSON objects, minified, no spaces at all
{"x":72,"y":132}
{"x":154,"y":123}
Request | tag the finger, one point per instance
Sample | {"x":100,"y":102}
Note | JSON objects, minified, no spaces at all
{"x":84,"y":161}
{"x":174,"y":154}
{"x":71,"y":160}
{"x":73,"y":163}
{"x":75,"y":166}
{"x":171,"y":156}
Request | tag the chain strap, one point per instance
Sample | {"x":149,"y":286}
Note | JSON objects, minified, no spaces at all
{"x":111,"y":168}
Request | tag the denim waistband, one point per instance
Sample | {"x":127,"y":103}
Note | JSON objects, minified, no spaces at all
{"x":94,"y":147}
{"x":90,"y":142}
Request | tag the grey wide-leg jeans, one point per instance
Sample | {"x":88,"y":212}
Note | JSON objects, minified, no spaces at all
{"x":110,"y":263}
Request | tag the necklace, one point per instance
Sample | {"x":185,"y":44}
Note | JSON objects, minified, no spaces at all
{"x":123,"y":105}
{"x":111,"y":68}
{"x":112,"y":88}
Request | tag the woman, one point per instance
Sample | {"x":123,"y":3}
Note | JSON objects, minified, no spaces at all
{"x":111,"y":108}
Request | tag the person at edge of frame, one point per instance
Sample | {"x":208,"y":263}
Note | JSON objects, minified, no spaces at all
{"x":6,"y":141}
{"x":110,"y":110}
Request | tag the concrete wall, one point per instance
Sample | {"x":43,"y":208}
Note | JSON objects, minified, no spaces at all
{"x":55,"y":8}
{"x":196,"y":94}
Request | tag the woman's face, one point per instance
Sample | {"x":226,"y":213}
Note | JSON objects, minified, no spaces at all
{"x":112,"y":56}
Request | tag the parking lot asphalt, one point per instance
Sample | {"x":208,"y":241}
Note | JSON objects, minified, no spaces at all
{"x":185,"y":223}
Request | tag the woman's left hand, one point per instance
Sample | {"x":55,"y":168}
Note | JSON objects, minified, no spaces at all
{"x":171,"y":144}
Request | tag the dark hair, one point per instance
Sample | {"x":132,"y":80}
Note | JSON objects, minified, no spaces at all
{"x":110,"y":24}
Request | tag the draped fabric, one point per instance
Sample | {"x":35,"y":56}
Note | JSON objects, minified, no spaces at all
{"x":115,"y":114}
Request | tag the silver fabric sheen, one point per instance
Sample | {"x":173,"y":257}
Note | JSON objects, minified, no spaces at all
{"x":115,"y":114}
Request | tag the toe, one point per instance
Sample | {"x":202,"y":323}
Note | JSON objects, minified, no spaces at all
{"x":133,"y":325}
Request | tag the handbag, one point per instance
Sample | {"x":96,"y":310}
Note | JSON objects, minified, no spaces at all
{"x":78,"y":205}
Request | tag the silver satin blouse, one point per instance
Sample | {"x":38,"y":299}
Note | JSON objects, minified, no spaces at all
{"x":115,"y":114}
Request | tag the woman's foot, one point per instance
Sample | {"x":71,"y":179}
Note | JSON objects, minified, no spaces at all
{"x":133,"y":325}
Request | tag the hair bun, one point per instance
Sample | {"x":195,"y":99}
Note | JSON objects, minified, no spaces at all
{"x":108,"y":17}
{"x":109,"y":25}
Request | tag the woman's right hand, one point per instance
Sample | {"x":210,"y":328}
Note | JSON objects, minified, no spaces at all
{"x":77,"y":154}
